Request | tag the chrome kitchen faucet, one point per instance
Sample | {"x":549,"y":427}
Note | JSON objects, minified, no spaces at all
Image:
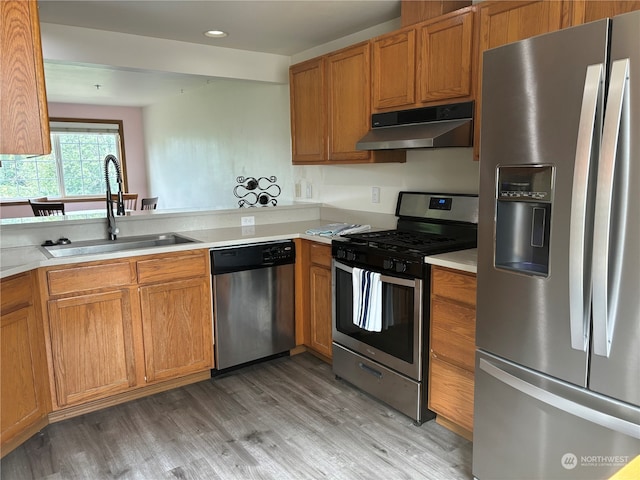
{"x":112,"y":229}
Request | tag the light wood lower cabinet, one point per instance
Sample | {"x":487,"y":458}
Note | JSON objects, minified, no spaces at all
{"x":313,"y":297}
{"x":24,"y":399}
{"x":116,"y":327}
{"x":320,"y":299}
{"x":92,"y":345}
{"x":175,"y":340}
{"x":452,"y":348}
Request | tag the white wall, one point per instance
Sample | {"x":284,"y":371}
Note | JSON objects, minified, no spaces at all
{"x":198,"y":143}
{"x":349,"y":186}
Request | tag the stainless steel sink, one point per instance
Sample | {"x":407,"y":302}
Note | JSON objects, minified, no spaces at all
{"x":94,"y":247}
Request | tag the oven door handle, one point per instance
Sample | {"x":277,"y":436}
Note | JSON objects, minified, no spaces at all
{"x":384,"y":278}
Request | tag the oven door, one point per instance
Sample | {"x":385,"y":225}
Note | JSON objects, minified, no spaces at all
{"x":399,"y":345}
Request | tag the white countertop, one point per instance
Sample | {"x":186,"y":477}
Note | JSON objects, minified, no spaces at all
{"x":18,"y":259}
{"x":465,"y":260}
{"x":14,"y":260}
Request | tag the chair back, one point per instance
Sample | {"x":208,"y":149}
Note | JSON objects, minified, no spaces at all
{"x":45,"y":209}
{"x":130,"y":200}
{"x":149,"y":203}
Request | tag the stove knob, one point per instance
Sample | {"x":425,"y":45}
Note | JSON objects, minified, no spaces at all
{"x":401,"y":267}
{"x":387,"y":264}
{"x":341,"y":253}
{"x":351,"y":256}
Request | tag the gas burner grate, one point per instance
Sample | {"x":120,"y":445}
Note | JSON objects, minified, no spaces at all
{"x":403,"y":241}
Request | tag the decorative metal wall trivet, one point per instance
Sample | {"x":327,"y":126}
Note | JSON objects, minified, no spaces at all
{"x":260,"y":192}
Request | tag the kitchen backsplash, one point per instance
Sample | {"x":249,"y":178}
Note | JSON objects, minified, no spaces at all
{"x":450,"y":170}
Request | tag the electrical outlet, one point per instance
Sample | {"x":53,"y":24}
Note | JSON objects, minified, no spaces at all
{"x":247,"y":221}
{"x":298,"y":190}
{"x":375,"y":194}
{"x":309,"y":191}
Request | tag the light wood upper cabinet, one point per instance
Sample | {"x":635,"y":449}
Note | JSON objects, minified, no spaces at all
{"x":24,"y":119}
{"x":332,"y":110}
{"x":24,"y":390}
{"x":394,"y":70}
{"x":308,"y":111}
{"x":349,"y":101}
{"x":430,"y":63}
{"x":585,"y":11}
{"x":503,"y":22}
{"x":446,"y":58}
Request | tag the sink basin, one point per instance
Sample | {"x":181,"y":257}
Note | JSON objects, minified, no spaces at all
{"x":94,"y":247}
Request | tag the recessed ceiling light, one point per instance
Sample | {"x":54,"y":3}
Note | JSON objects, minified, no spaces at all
{"x":215,"y":34}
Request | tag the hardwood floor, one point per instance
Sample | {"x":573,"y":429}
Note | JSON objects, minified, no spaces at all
{"x":287,"y":418}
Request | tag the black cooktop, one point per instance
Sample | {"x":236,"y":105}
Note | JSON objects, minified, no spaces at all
{"x":420,"y":243}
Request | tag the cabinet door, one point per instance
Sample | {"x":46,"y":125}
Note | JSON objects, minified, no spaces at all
{"x":503,"y":22}
{"x":24,"y":119}
{"x":445,"y":59}
{"x":22,"y":402}
{"x":585,"y":11}
{"x":320,"y":309}
{"x":92,"y":346}
{"x":349,"y":107}
{"x":451,"y":392}
{"x":177,"y":328}
{"x":394,"y":70}
{"x":308,"y":111}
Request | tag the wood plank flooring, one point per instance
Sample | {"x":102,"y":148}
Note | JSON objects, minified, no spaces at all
{"x":287,"y":418}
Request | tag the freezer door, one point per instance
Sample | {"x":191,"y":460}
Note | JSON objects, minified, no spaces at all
{"x":615,"y":363}
{"x":539,"y":96}
{"x":529,"y":426}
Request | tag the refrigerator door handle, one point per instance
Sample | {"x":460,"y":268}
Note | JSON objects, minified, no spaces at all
{"x":586,"y":413}
{"x":579,"y":281}
{"x":611,"y":198}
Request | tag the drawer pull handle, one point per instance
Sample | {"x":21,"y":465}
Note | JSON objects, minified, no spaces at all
{"x":370,"y":370}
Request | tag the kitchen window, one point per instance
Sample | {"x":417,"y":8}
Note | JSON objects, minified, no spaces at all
{"x":75,"y":166}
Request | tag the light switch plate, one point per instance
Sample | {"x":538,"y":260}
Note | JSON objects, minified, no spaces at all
{"x":247,"y":221}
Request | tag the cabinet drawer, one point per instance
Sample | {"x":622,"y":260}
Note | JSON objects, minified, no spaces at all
{"x":451,"y":392}
{"x":15,"y":292}
{"x":457,"y":286}
{"x":90,"y":277}
{"x":453,"y":332}
{"x":320,"y":254}
{"x":170,"y":268}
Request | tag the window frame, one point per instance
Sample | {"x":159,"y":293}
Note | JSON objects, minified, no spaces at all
{"x":83,"y":198}
{"x":122,"y":159}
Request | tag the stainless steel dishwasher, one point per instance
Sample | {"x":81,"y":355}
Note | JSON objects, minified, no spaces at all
{"x":253,"y":301}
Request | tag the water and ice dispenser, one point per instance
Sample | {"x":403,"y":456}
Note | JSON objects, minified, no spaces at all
{"x":523,"y":218}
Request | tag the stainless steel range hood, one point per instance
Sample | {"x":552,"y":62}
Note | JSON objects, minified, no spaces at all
{"x":429,"y":127}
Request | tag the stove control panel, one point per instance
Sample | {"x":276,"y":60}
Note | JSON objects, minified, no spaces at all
{"x":377,"y":260}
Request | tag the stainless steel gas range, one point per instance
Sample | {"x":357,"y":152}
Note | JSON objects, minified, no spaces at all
{"x":381,"y":297}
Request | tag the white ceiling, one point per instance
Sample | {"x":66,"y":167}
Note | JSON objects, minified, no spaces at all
{"x":269,"y":26}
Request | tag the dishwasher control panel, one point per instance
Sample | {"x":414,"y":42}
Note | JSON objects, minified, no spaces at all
{"x":248,"y":257}
{"x":280,"y":252}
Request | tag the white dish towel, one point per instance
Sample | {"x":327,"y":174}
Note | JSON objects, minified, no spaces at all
{"x":367,"y":299}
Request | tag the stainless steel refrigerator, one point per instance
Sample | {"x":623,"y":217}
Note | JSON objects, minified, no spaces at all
{"x":557,"y":389}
